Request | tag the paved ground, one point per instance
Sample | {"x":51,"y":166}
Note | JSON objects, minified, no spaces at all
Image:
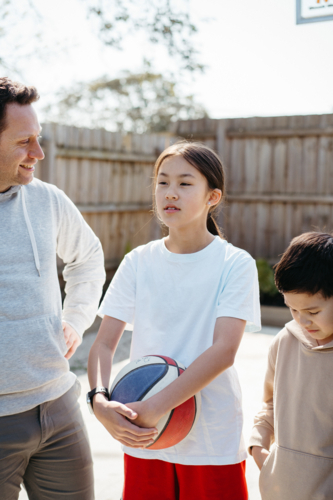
{"x":250,"y":364}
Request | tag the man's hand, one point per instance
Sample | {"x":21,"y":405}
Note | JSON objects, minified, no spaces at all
{"x":259,"y":454}
{"x":72,"y":339}
{"x":115,"y":418}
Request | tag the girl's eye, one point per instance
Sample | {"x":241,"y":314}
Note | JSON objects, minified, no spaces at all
{"x":185,"y":184}
{"x":163,"y":183}
{"x":313,"y":314}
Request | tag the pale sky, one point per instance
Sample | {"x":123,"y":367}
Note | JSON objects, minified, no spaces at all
{"x":260,"y":62}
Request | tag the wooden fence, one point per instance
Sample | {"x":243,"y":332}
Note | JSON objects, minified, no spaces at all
{"x":108,"y":176}
{"x":279,"y":179}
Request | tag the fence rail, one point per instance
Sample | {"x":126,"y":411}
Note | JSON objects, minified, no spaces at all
{"x":108,"y":176}
{"x":279,"y":174}
{"x":279,"y":177}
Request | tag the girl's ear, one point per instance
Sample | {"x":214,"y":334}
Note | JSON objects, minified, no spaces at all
{"x":214,"y":197}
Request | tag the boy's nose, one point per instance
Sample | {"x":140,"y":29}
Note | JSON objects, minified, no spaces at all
{"x":304,"y":321}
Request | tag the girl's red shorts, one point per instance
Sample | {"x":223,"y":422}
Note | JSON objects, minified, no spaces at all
{"x":158,"y":480}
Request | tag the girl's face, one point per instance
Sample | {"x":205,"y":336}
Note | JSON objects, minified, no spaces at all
{"x":182,"y":194}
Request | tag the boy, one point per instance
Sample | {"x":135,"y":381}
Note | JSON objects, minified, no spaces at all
{"x":292,"y":437}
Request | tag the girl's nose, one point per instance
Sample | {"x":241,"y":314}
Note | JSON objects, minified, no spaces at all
{"x":171,"y":195}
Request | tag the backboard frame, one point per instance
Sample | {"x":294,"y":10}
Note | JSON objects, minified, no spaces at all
{"x":304,"y":20}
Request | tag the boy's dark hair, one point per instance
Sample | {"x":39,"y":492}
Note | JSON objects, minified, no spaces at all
{"x":307,"y":265}
{"x":14,"y":92}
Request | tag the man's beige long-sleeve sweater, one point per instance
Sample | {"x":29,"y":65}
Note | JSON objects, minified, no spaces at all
{"x":296,"y":420}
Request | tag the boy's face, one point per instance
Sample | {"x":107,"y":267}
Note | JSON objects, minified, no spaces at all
{"x":314,"y":313}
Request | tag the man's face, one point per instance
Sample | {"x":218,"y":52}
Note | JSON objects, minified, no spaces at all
{"x":19,"y":146}
{"x":314,"y":313}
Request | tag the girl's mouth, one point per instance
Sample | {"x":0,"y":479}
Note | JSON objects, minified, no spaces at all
{"x":171,"y":209}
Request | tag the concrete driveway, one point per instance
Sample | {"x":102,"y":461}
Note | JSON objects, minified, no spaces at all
{"x":251,"y":365}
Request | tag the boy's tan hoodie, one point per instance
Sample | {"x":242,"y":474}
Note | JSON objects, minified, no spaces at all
{"x":296,"y":420}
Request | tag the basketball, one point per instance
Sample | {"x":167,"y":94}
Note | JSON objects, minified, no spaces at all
{"x":144,"y":377}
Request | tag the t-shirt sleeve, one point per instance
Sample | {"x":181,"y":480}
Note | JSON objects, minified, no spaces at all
{"x":239,"y":297}
{"x":119,"y":300}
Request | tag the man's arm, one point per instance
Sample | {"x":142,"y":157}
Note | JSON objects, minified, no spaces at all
{"x":84,"y":274}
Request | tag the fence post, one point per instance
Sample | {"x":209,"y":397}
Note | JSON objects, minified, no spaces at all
{"x":222,"y":148}
{"x":48,"y":173}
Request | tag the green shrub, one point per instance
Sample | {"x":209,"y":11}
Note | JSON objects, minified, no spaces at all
{"x":266,"y":278}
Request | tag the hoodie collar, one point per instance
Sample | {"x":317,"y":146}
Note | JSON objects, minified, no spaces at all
{"x":8,"y":194}
{"x":305,"y":338}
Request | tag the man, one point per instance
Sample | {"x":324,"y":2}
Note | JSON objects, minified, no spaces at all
{"x":43,"y":441}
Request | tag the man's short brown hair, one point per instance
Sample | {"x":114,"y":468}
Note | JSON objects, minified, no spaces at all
{"x":14,"y":92}
{"x":307,"y":265}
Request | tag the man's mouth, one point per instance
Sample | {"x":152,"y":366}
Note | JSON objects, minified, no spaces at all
{"x":28,"y":167}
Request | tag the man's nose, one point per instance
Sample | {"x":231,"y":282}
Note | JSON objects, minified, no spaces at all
{"x":36,"y":152}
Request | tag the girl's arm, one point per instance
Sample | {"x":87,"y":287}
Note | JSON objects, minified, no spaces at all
{"x":111,"y":414}
{"x":217,"y":358}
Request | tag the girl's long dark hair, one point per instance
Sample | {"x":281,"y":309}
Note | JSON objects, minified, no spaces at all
{"x":209,"y":165}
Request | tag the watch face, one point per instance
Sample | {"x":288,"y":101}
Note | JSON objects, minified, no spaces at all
{"x":89,"y":404}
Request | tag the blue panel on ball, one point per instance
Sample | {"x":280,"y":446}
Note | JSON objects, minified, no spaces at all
{"x":135,"y":384}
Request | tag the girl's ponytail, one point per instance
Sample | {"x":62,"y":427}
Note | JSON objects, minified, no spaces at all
{"x":212,"y":226}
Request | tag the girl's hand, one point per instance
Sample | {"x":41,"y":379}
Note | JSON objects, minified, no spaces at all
{"x":148,"y":415}
{"x":259,"y":454}
{"x":114,"y":416}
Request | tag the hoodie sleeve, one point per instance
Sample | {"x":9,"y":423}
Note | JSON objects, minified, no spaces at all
{"x":263,"y":429}
{"x":84,"y":274}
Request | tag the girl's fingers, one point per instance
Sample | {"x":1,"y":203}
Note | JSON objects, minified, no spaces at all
{"x":139,"y":432}
{"x":126,"y":412}
{"x":135,"y":444}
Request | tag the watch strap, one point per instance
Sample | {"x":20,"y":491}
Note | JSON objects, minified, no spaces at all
{"x":98,"y":390}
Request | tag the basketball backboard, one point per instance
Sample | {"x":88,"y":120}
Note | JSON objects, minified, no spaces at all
{"x":313,"y":11}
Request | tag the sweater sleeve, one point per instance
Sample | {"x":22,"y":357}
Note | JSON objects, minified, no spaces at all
{"x":263,"y":429}
{"x":84,"y":274}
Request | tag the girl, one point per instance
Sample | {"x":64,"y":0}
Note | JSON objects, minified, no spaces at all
{"x":189,"y":296}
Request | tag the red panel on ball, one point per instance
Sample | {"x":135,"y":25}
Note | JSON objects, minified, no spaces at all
{"x":170,"y":361}
{"x":178,"y":426}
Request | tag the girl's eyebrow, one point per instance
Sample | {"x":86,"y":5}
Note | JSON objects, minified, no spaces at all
{"x":181,"y":175}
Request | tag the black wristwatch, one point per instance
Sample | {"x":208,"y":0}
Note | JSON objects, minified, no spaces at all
{"x":92,"y":393}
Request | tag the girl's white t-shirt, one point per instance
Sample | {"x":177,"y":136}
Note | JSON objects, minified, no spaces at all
{"x":173,"y":301}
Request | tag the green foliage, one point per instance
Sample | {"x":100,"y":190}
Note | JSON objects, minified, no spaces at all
{"x":266,"y":278}
{"x":162,"y":22}
{"x":128,"y":248}
{"x":134,"y":102}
